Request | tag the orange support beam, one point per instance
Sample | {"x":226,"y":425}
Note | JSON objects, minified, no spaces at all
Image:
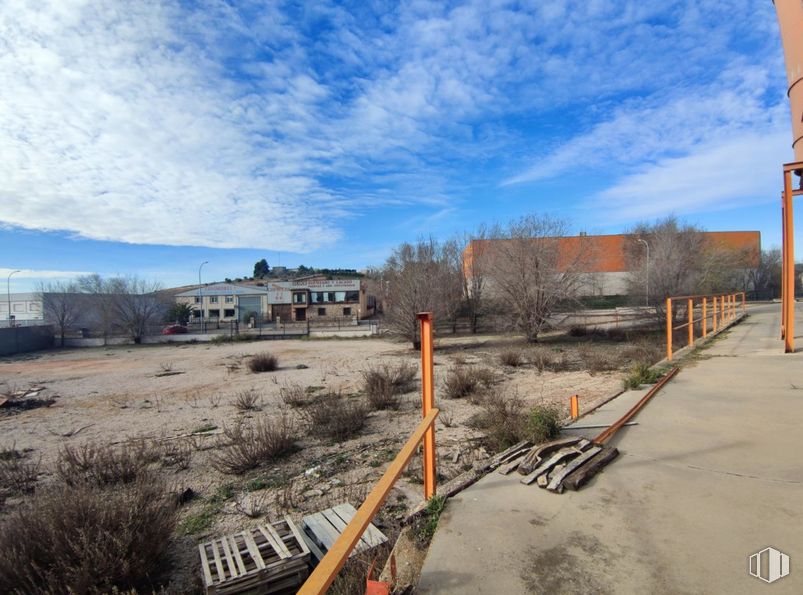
{"x":669,"y":329}
{"x":705,"y":317}
{"x":326,"y":571}
{"x":714,"y":313}
{"x":789,"y":261}
{"x":783,"y":266}
{"x":690,"y":310}
{"x":428,"y":401}
{"x":574,"y":407}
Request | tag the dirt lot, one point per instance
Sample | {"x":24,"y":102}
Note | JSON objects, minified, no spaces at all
{"x":168,"y":393}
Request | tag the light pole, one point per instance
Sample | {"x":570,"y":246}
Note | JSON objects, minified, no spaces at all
{"x":8,"y":294}
{"x":200,"y":297}
{"x":647,"y":280}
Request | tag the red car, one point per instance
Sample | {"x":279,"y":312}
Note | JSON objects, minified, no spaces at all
{"x":174,"y":329}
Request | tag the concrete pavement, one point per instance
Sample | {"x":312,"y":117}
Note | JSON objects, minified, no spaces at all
{"x":712,"y":473}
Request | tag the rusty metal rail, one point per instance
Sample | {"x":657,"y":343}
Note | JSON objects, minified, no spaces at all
{"x":617,"y":425}
{"x":724,"y":310}
{"x":334,"y":560}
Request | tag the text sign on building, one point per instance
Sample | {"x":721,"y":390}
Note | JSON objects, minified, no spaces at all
{"x":328,"y":284}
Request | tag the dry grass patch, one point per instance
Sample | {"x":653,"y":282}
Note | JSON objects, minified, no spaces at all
{"x":105,"y":464}
{"x":85,"y":539}
{"x":466,"y":381}
{"x":512,"y":357}
{"x":246,"y":400}
{"x":384,"y":385}
{"x":263,"y":362}
{"x":18,"y":473}
{"x":547,"y":359}
{"x":333,"y":416}
{"x":246,"y":447}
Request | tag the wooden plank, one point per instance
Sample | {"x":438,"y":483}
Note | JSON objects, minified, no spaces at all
{"x":372,"y":536}
{"x":237,"y":557}
{"x":549,"y":463}
{"x":229,"y":560}
{"x":220,"y":572}
{"x":582,"y":475}
{"x":556,"y":483}
{"x":313,"y":546}
{"x":276,"y":541}
{"x":537,"y":455}
{"x":205,"y":565}
{"x":340,"y":525}
{"x":513,"y":464}
{"x":302,"y":544}
{"x":323,"y":531}
{"x":253,"y":550}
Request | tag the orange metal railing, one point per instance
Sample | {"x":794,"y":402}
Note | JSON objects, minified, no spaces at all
{"x":326,"y":571}
{"x":724,"y":309}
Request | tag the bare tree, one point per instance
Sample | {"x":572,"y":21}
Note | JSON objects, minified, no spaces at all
{"x":62,"y":304}
{"x":765,"y":279}
{"x":137,"y":305}
{"x":420,"y":277}
{"x":683,"y":261}
{"x":100,"y":294}
{"x":530,"y":274}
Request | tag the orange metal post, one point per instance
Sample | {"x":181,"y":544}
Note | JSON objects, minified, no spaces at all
{"x":722,"y":311}
{"x":783,"y":266}
{"x":669,"y":329}
{"x":574,"y":407}
{"x":705,"y":317}
{"x":690,"y":309}
{"x":744,"y":302}
{"x":714,"y":313}
{"x":428,"y":401}
{"x":789,"y":262}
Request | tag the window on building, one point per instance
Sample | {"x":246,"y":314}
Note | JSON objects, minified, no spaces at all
{"x":321,"y":311}
{"x":352,"y":296}
{"x":316,"y":297}
{"x":196,"y":313}
{"x":197,"y":299}
{"x":214,"y":313}
{"x":19,"y":307}
{"x":229,"y":299}
{"x":330,"y":296}
{"x":299,"y":298}
{"x":228,"y":313}
{"x":33,"y":307}
{"x":346,"y":311}
{"x":340,"y":296}
{"x":213,"y":299}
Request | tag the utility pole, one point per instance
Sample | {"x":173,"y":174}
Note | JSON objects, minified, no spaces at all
{"x":647,"y":281}
{"x":8,"y":294}
{"x":201,"y":297}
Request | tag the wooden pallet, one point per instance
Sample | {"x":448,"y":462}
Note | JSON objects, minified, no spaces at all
{"x":263,"y":560}
{"x":321,"y":530}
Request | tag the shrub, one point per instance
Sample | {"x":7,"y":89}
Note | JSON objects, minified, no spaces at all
{"x":598,"y":359}
{"x":502,"y":419}
{"x":295,"y":395}
{"x":246,"y":400}
{"x":426,"y":524}
{"x":248,"y":446}
{"x":105,"y":464}
{"x":511,"y":357}
{"x":85,"y":539}
{"x":263,"y":362}
{"x":385,"y":384}
{"x":464,"y":381}
{"x":177,"y":454}
{"x":335,"y":417}
{"x":545,"y":358}
{"x":639,"y":374}
{"x":543,"y":423}
{"x":643,"y":351}
{"x":18,"y":474}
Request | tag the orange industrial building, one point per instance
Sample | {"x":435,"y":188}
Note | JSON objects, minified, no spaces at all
{"x":607,"y":260}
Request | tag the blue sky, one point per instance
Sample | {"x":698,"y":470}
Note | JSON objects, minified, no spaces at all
{"x":146,"y":137}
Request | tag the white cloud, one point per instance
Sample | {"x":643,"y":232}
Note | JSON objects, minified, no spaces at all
{"x":269,"y":125}
{"x":716,"y":176}
{"x":40,"y":274}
